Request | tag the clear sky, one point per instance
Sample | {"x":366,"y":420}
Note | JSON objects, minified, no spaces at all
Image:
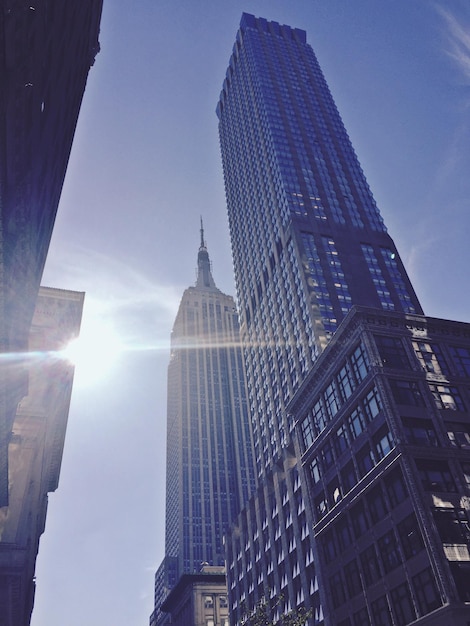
{"x":145,"y":165}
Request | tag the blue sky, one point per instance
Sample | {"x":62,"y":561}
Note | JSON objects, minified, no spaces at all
{"x":145,"y":165}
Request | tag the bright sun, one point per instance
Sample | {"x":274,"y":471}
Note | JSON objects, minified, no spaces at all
{"x":94,"y":352}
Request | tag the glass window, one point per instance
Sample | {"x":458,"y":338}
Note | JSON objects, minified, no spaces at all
{"x":341,"y":440}
{"x":461,"y":358}
{"x":372,"y":404}
{"x":329,"y":546}
{"x":337,"y":588}
{"x":388,"y":550}
{"x":459,"y":434}
{"x":419,"y":432}
{"x":430,"y":357}
{"x":410,"y":536}
{"x":356,"y":422}
{"x":306,"y":427}
{"x":452,"y":526}
{"x":381,"y":612}
{"x":447,"y":397}
{"x":353,"y":578}
{"x":345,"y":382}
{"x":392,"y":352}
{"x":426,"y":592}
{"x":396,"y":489}
{"x":402,"y":605}
{"x":361,"y":618}
{"x":435,"y":475}
{"x":383,"y":442}
{"x":376,"y":504}
{"x":370,"y":565}
{"x":360,"y":363}
{"x":365,"y":460}
{"x":321,"y":505}
{"x":315,"y":470}
{"x":407,"y":392}
{"x":208,"y":602}
{"x":348,"y":477}
{"x":331,"y":400}
{"x":359,"y":520}
{"x":327,"y":454}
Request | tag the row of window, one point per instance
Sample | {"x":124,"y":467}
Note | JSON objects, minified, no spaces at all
{"x":403,"y":603}
{"x":334,"y":395}
{"x":430,"y":355}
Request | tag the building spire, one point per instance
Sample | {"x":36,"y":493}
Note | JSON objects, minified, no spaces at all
{"x":204,"y":275}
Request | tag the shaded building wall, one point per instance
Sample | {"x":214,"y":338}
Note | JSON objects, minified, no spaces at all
{"x":35,"y":448}
{"x":46,"y":51}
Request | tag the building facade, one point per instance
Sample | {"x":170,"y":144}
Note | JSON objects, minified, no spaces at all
{"x":308,"y":244}
{"x":47,"y":48}
{"x":35,"y":448}
{"x":210,"y":468}
{"x":199,"y":599}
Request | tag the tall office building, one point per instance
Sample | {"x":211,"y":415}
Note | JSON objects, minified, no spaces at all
{"x":210,"y":468}
{"x":309,"y":246}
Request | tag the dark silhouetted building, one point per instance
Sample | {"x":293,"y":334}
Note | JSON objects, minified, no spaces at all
{"x":210,"y":468}
{"x":47,"y":50}
{"x":343,"y":407}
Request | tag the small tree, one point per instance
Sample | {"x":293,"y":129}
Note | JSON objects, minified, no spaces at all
{"x":260,"y":615}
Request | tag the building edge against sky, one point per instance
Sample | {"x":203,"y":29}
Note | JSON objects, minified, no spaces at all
{"x":48,"y":49}
{"x":309,"y":247}
{"x":210,"y":467}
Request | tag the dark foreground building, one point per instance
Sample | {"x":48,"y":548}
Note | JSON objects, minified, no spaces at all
{"x":210,"y":468}
{"x":345,"y":405}
{"x":46,"y":51}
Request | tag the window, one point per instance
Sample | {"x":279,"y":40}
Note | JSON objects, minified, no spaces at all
{"x":365,"y":460}
{"x":381,"y":612}
{"x":466,"y":473}
{"x":353,"y":578}
{"x":459,"y":434}
{"x":327,"y":455}
{"x":426,"y":592}
{"x":359,"y":520}
{"x":341,"y":440}
{"x":406,"y":392}
{"x":402,"y":605}
{"x":372,"y":404}
{"x":356,"y":423}
{"x":337,"y":589}
{"x":383,"y":442}
{"x":376,"y":504}
{"x":208,"y":602}
{"x":396,"y":489}
{"x":315,"y":470}
{"x":329,"y":546}
{"x":359,"y":363}
{"x":306,"y":427}
{"x":388,"y":549}
{"x":430,"y":357}
{"x":361,"y":618}
{"x":461,"y":358}
{"x":344,"y":534}
{"x":410,"y":536}
{"x":452,"y":526}
{"x":348,"y":477}
{"x":392,"y":352}
{"x":435,"y":475}
{"x":419,"y":432}
{"x":223,"y":602}
{"x":334,"y":491}
{"x":345,"y":382}
{"x":447,"y":397}
{"x":331,"y":400}
{"x":321,"y":505}
{"x":370,"y":565}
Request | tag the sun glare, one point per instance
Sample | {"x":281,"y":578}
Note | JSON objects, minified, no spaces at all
{"x":94,"y":352}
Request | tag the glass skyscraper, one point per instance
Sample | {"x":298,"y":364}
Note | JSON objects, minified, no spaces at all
{"x":210,"y":467}
{"x":308,"y":240}
{"x":361,"y":512}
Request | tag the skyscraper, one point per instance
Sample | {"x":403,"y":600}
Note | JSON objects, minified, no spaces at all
{"x":310,"y":247}
{"x":210,"y":469}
